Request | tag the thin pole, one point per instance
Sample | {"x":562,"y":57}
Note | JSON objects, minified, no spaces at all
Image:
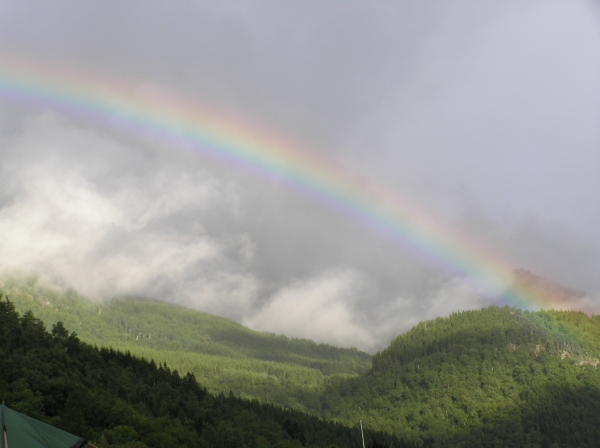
{"x":362,"y":434}
{"x":5,"y":442}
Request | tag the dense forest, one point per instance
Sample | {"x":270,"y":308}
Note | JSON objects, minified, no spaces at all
{"x":222,"y":354}
{"x":115,"y":399}
{"x":495,"y":377}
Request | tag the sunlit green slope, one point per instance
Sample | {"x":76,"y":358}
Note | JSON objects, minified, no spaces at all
{"x":494,"y":377}
{"x":115,"y":400}
{"x":222,"y":354}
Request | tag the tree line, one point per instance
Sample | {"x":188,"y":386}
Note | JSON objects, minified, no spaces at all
{"x":115,"y":399}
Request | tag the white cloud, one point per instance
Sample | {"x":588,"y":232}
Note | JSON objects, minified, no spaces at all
{"x":62,"y":217}
{"x":318,"y":309}
{"x":224,"y":293}
{"x":401,"y":315}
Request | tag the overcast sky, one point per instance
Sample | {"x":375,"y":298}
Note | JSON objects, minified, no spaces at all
{"x":485,"y":113}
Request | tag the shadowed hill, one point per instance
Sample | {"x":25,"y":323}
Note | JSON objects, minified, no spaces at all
{"x":555,"y":415}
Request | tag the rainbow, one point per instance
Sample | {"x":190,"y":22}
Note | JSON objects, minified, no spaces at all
{"x":165,"y":116}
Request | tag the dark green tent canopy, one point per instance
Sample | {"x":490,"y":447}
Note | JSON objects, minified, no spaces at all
{"x":21,"y":431}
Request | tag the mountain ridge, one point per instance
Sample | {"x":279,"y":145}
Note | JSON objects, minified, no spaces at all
{"x":116,"y":400}
{"x":222,"y":354}
{"x":476,"y":373}
{"x":489,"y":377}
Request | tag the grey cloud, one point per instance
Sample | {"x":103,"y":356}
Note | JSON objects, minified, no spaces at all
{"x":484,"y":114}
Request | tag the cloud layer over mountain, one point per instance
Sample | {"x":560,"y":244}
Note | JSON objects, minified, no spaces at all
{"x":485,"y":114}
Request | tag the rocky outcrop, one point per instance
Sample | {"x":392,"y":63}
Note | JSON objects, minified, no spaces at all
{"x":553,"y":293}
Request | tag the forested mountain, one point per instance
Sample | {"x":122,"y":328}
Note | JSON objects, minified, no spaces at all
{"x":222,"y":354}
{"x":117,"y":400}
{"x":495,"y":377}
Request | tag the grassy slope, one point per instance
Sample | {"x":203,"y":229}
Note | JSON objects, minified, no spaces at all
{"x":222,"y":354}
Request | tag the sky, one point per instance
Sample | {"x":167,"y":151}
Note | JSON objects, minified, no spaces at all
{"x":484,"y":114}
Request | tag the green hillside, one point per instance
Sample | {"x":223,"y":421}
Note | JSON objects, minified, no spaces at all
{"x":116,"y":400}
{"x":488,"y":378}
{"x":495,"y":377}
{"x":222,"y":354}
